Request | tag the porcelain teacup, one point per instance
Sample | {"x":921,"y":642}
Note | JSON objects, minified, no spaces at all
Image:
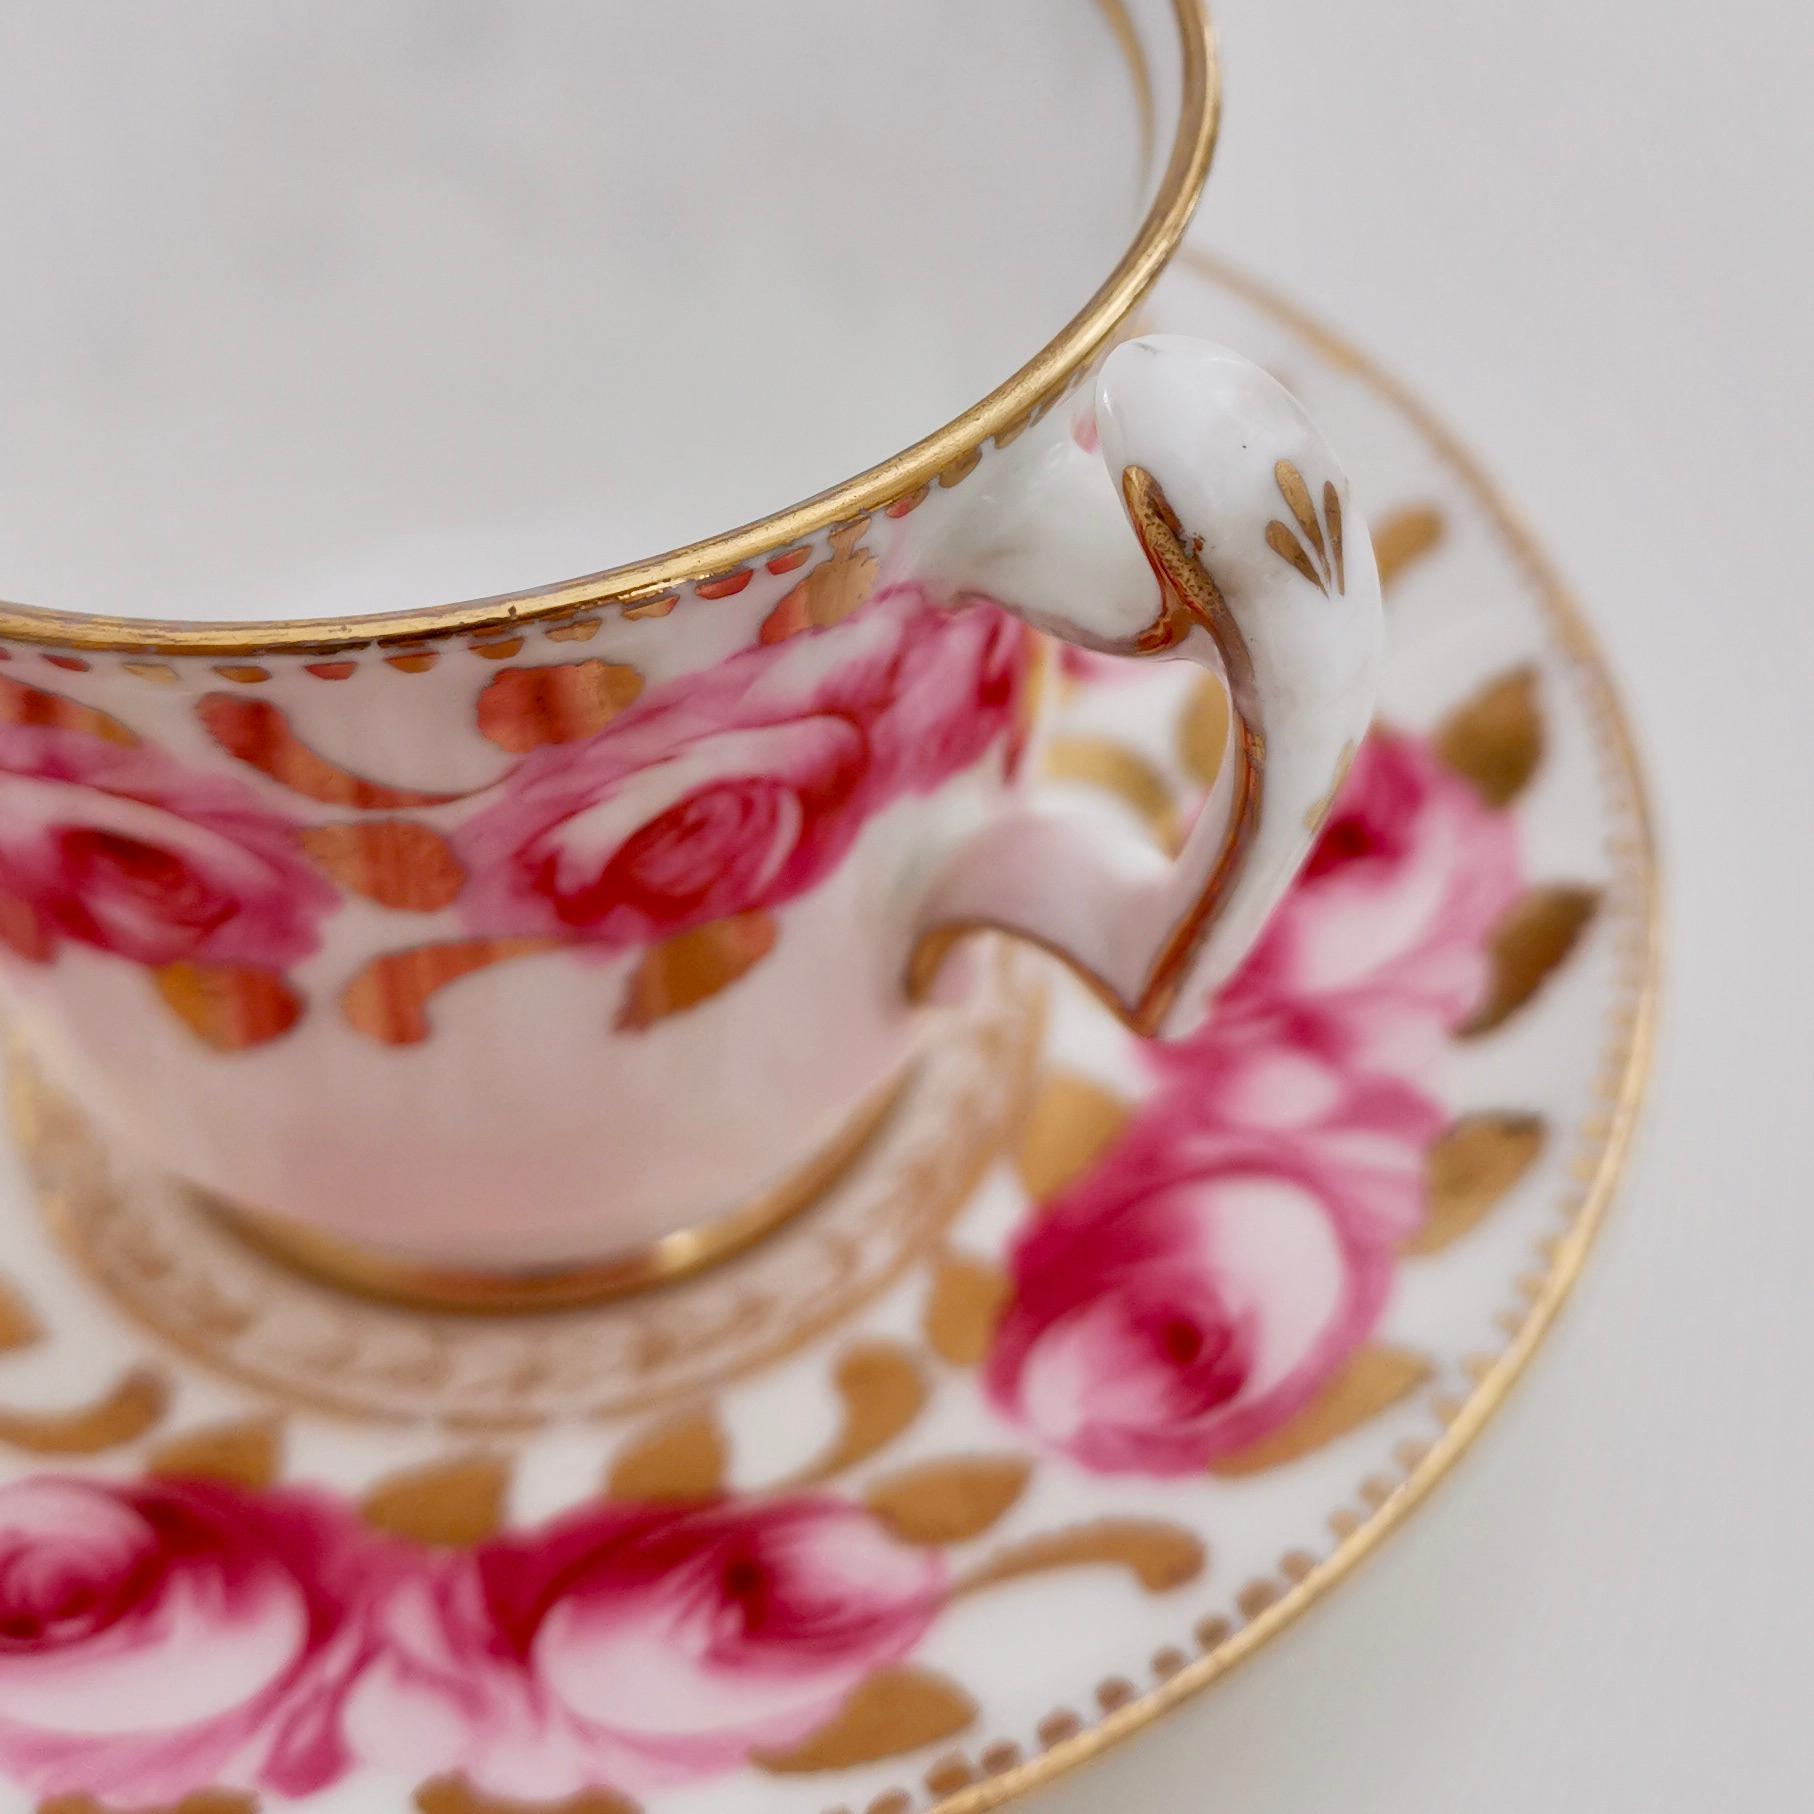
{"x":569,"y":934}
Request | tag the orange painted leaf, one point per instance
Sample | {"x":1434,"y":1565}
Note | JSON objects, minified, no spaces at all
{"x":882,"y":1391}
{"x":828,"y":594}
{"x":524,"y":708}
{"x":230,"y":1007}
{"x":22,"y":704}
{"x":963,"y":1308}
{"x":448,"y":1504}
{"x":949,"y":1501}
{"x":388,"y":1000}
{"x":243,"y":1454}
{"x":134,"y":1405}
{"x":1377,"y":1378}
{"x":398,"y":863}
{"x":691,"y":967}
{"x":1403,"y":537}
{"x":895,"y":1711}
{"x":455,"y":1795}
{"x":1495,"y":739}
{"x":678,"y":1460}
{"x":1160,"y":1556}
{"x":1530,"y":942}
{"x":259,"y":735}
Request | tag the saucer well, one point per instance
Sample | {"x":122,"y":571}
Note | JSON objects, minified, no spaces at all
{"x":1104,"y":1363}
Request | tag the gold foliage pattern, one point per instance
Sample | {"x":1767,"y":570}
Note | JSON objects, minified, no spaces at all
{"x":949,"y":1501}
{"x":1533,"y":939}
{"x":894,"y":1711}
{"x":1377,"y":1378}
{"x":683,"y":1458}
{"x":1469,"y":1169}
{"x":1073,"y":1122}
{"x":1495,"y":739}
{"x":134,"y":1404}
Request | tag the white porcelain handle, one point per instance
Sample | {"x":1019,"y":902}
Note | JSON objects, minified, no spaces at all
{"x":1265,"y":573}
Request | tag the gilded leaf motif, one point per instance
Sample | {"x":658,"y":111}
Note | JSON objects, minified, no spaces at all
{"x":388,"y":1000}
{"x":122,"y":1414}
{"x":1375,"y":1379}
{"x":963,"y":1308}
{"x":198,"y":1801}
{"x":1203,"y":730}
{"x":22,"y":704}
{"x":681,"y":1459}
{"x":949,"y":1501}
{"x":1469,"y":1170}
{"x":524,"y":708}
{"x":1401,"y":538}
{"x":455,"y":1795}
{"x":1126,"y":774}
{"x":1530,"y":942}
{"x":1495,"y":740}
{"x":1158,"y":1555}
{"x":692,"y":967}
{"x":242,"y":1454}
{"x":231,"y":1007}
{"x":399,"y":863}
{"x":445,"y":1503}
{"x":881,"y":1392}
{"x":830,"y":593}
{"x":895,"y":1711}
{"x":256,"y":733}
{"x":1073,"y":1122}
{"x":19,"y":1325}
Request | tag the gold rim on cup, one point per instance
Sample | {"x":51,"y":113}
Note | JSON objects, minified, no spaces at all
{"x":999,"y":416}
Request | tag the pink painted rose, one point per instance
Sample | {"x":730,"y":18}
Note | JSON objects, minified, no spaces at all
{"x":161,"y":1638}
{"x":635,"y":1646}
{"x":742,"y":787}
{"x":1197,"y":1289}
{"x":1379,"y":950}
{"x":117,"y":847}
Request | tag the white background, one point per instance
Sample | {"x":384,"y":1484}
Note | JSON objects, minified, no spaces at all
{"x":1584,"y":230}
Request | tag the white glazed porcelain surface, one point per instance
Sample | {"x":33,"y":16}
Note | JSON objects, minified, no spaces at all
{"x":1001,"y":1511}
{"x":357,"y":305}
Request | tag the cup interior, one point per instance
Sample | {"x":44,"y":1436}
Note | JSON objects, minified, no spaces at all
{"x":333,"y":306}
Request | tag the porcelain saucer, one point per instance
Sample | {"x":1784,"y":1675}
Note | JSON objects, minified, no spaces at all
{"x":1103,"y":1364}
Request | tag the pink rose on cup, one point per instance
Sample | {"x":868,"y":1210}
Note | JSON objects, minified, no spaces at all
{"x":1199,"y":1288}
{"x":157,"y":1639}
{"x":1379,"y":950}
{"x":634,"y":1646}
{"x":117,"y":847}
{"x":743,"y":787}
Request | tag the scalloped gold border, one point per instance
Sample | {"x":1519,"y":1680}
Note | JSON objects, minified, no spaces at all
{"x":945,"y":456}
{"x":1268,"y":1605}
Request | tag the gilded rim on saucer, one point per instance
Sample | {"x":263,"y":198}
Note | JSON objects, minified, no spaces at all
{"x":943,"y":457}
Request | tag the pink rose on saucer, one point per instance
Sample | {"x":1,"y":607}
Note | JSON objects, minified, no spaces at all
{"x":161,"y":1638}
{"x":743,"y":787}
{"x":634,"y":1646}
{"x":117,"y":847}
{"x":1379,"y":950}
{"x":1198,"y":1288}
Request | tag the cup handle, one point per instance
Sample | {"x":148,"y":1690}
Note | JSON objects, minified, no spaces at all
{"x":1265,"y":575}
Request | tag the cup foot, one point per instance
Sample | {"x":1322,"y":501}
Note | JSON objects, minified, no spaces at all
{"x":245,"y":1309}
{"x":403,"y":1279}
